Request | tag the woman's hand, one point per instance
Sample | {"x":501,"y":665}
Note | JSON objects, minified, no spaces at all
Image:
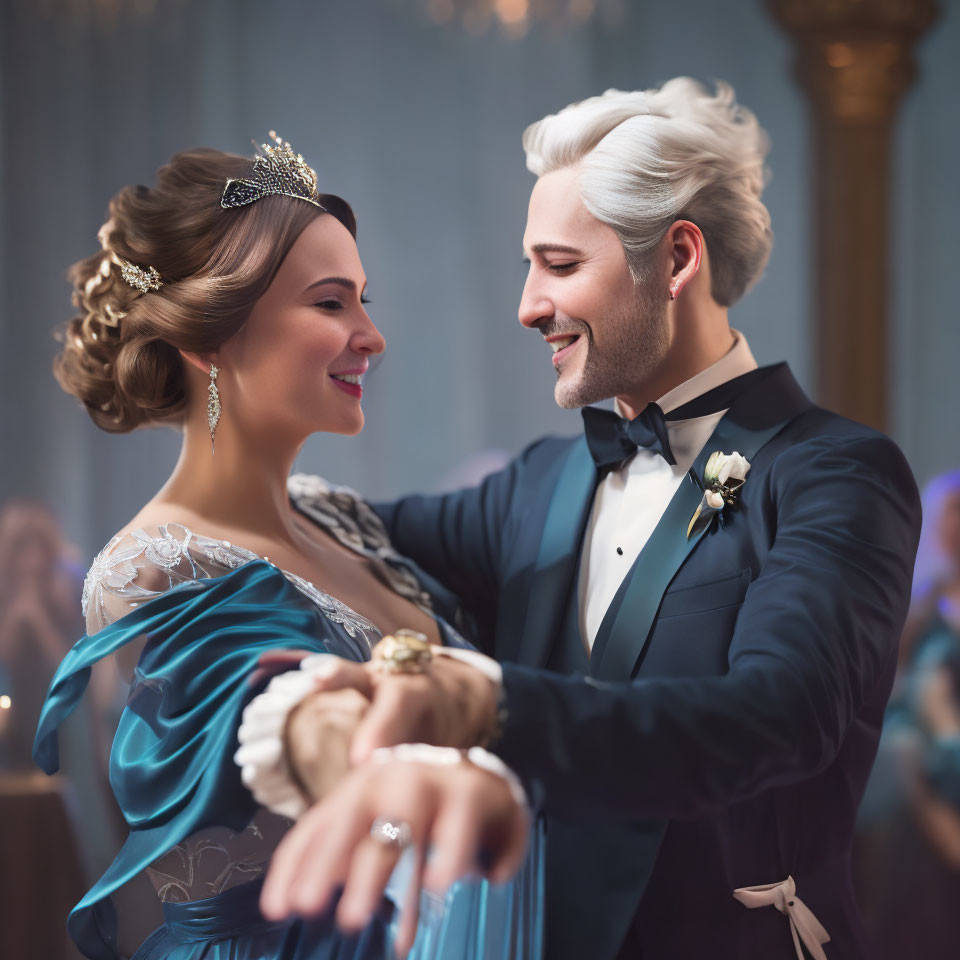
{"x":317,"y":738}
{"x":294,"y":741}
{"x":459,"y":812}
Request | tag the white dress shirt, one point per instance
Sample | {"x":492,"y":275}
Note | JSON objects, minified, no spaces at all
{"x":630,"y":501}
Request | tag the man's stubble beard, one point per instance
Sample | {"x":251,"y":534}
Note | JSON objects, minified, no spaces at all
{"x":636,"y":340}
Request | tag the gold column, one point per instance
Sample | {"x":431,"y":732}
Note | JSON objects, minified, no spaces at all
{"x":854,"y":59}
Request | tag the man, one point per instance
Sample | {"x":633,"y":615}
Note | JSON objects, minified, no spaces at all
{"x":696,"y":650}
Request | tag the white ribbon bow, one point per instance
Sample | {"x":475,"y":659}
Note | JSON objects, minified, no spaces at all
{"x":804,"y":926}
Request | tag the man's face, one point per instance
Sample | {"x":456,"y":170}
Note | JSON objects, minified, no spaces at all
{"x":608,"y":333}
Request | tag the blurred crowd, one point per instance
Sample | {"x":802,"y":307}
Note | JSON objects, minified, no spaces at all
{"x":908,"y":846}
{"x":907,"y":854}
{"x":40,"y":578}
{"x":59,"y":833}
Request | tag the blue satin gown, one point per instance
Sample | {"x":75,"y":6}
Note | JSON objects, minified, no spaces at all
{"x":172,"y":771}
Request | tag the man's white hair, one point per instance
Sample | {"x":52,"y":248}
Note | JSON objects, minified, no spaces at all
{"x":650,"y":157}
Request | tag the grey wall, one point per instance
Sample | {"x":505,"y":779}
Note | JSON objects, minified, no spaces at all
{"x":419,"y":127}
{"x":925,"y":366}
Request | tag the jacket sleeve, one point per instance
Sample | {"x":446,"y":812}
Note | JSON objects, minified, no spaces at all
{"x":459,"y":538}
{"x":816,"y":636}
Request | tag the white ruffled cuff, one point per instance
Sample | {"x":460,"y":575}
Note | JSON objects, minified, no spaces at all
{"x":444,"y":756}
{"x":489,"y":667}
{"x":261,"y":757}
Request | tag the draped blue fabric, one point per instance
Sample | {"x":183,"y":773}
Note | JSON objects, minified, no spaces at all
{"x":172,"y":771}
{"x":230,"y":927}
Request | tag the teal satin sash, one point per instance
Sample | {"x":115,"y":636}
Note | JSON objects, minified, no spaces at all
{"x":171,"y":767}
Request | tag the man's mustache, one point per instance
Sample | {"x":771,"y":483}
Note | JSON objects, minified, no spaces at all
{"x":563,"y":327}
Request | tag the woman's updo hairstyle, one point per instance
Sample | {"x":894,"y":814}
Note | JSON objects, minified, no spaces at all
{"x":678,"y":152}
{"x":120,"y":352}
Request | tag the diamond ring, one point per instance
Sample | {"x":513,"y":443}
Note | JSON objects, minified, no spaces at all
{"x":392,"y":833}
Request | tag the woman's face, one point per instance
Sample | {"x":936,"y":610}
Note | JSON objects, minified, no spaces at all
{"x":296,"y":365}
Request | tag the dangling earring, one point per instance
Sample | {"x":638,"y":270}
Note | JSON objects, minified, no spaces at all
{"x":213,"y":406}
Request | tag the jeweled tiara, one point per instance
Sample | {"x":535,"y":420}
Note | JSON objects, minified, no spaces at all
{"x":278,"y":171}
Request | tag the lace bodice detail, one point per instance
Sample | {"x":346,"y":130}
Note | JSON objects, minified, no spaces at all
{"x":140,"y":565}
{"x":345,"y":514}
{"x":216,"y":859}
{"x":137,"y":566}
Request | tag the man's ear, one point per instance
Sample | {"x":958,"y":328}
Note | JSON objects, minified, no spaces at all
{"x":686,"y":248}
{"x":201,"y":361}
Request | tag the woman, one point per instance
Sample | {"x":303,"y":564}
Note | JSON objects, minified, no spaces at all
{"x":228,"y":300}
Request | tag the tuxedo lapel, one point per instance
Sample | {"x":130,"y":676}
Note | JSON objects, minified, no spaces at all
{"x":553,"y":575}
{"x":753,"y":419}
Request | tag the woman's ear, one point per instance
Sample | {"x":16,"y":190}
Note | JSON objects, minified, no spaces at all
{"x":201,"y":361}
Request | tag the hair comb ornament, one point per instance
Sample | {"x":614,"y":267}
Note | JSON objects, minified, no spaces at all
{"x":277,"y":171}
{"x":143,"y":279}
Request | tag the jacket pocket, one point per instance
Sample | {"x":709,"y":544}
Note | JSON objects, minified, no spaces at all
{"x":713,"y":594}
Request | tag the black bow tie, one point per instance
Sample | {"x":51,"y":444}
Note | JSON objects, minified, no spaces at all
{"x":613,"y":439}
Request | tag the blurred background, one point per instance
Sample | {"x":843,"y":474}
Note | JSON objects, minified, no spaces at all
{"x":412,"y":110}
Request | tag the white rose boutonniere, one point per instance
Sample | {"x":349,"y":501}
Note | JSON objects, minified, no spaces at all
{"x":723,"y":476}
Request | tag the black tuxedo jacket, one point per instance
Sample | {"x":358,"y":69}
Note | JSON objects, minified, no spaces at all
{"x":736,"y":688}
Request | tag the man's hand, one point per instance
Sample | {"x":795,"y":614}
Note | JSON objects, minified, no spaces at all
{"x":467,"y":818}
{"x":451,"y":704}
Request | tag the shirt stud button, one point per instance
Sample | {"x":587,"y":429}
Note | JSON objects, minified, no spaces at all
{"x":620,"y":551}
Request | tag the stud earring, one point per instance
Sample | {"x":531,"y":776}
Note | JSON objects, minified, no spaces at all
{"x":213,"y":406}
